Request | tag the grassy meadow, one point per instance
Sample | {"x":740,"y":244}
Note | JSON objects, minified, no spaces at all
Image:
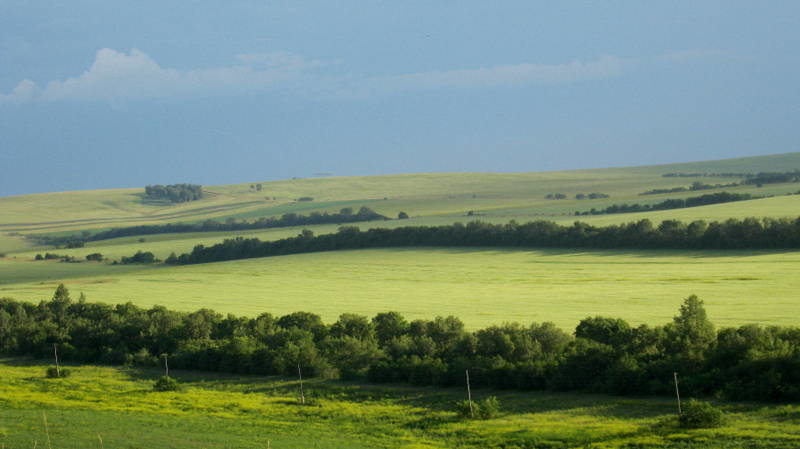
{"x":482,"y":286}
{"x":115,"y":405}
{"x":420,"y":195}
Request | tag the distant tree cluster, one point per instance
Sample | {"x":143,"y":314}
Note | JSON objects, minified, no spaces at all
{"x":140,"y":257}
{"x":176,"y":193}
{"x":97,"y":257}
{"x":707,"y":175}
{"x":679,"y":203}
{"x":305,"y":198}
{"x":345,"y":215}
{"x":697,"y":185}
{"x":555,"y":196}
{"x":53,"y":256}
{"x":590,"y":196}
{"x":749,"y":233}
{"x":604,"y":355}
{"x":773,"y":178}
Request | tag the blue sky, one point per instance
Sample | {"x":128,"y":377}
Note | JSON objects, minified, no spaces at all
{"x":99,"y":94}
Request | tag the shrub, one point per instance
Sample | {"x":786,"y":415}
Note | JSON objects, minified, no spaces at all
{"x":402,"y":215}
{"x":489,"y":408}
{"x":166,"y":383}
{"x":465,"y":411}
{"x":700,"y":415}
{"x":55,"y":373}
{"x":94,"y":256}
{"x":486,"y":409}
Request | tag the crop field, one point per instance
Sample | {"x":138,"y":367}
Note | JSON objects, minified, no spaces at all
{"x":110,"y":407}
{"x":481,"y":286}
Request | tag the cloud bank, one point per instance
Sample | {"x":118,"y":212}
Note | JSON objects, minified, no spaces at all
{"x":115,"y":76}
{"x":508,"y":75}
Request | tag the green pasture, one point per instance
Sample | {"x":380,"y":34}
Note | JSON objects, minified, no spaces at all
{"x":481,"y":286}
{"x":164,"y":244}
{"x":118,"y":406}
{"x":425,"y":195}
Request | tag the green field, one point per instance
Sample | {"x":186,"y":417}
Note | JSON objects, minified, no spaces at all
{"x":421,"y":195}
{"x":218,"y":411}
{"x":480,"y":286}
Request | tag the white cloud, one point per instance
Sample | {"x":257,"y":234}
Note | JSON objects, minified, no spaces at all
{"x":505,"y":75}
{"x":115,"y":75}
{"x":25,"y":91}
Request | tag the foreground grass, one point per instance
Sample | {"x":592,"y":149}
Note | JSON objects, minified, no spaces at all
{"x":481,"y":286}
{"x":218,"y":411}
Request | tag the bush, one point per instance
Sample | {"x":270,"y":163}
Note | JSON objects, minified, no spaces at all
{"x":55,"y":373}
{"x":402,"y":215}
{"x":489,"y":408}
{"x":166,"y":383}
{"x":700,"y":415}
{"x":465,"y":411}
{"x":94,"y":256}
{"x":486,"y":409}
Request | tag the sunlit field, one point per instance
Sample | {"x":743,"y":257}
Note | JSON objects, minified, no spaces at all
{"x":118,"y":407}
{"x":480,"y":286}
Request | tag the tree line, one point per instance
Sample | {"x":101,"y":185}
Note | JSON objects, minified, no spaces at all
{"x":749,"y":233}
{"x":176,"y":193}
{"x":345,"y":215}
{"x":708,"y":175}
{"x":757,"y":179}
{"x":697,"y":185}
{"x":679,"y":203}
{"x":602,"y":355}
{"x":773,"y":177}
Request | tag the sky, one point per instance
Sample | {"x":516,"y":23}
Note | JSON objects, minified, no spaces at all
{"x":98,"y":94}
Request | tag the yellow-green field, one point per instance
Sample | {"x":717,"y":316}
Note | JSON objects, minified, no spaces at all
{"x":421,"y":195}
{"x":116,"y":408}
{"x":480,"y":286}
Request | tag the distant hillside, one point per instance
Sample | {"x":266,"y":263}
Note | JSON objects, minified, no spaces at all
{"x":426,"y":198}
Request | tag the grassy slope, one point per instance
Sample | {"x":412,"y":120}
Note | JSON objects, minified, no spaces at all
{"x":217,"y":411}
{"x":523,"y":286}
{"x":433,"y":194}
{"x":480,"y":286}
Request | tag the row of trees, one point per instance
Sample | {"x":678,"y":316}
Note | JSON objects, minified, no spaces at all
{"x":773,"y":177}
{"x":757,"y":179}
{"x":697,"y":185}
{"x":591,"y":196}
{"x":750,"y":233}
{"x":678,"y":203}
{"x":709,"y":175}
{"x":603,"y":355}
{"x":176,"y":193}
{"x":345,"y":215}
